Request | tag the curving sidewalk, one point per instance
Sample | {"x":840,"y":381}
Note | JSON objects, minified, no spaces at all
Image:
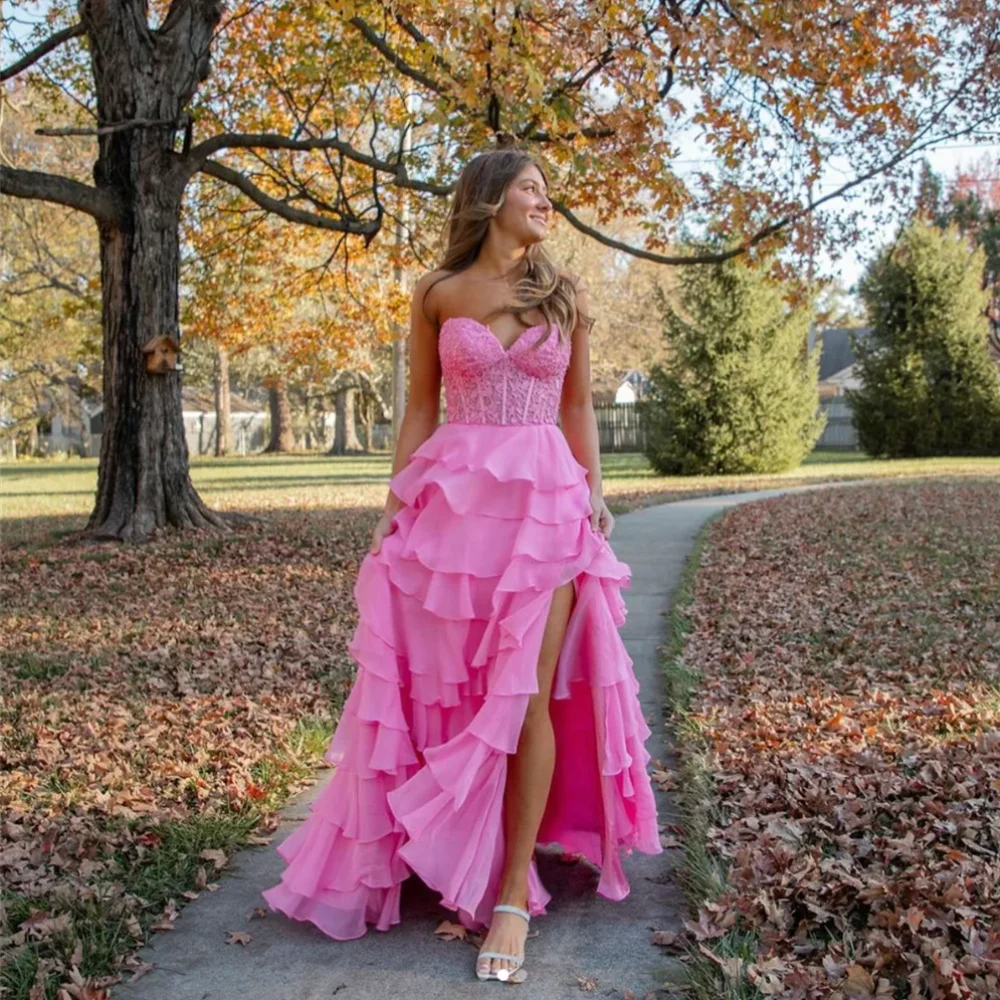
{"x":583,"y":935}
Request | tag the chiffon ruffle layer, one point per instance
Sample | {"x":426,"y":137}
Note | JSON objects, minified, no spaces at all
{"x":451,"y":614}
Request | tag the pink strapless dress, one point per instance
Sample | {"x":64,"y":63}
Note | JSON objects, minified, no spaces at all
{"x":451,"y":613}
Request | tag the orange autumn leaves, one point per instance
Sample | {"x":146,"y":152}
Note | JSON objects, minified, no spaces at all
{"x":265,"y":287}
{"x":778,"y":90}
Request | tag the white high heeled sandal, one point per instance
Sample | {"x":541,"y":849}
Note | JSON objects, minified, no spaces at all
{"x":515,"y":975}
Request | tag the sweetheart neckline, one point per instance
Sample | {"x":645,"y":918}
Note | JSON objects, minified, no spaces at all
{"x":489,"y":331}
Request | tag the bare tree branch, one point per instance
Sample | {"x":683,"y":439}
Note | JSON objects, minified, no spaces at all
{"x":105,"y":129}
{"x":659,"y":258}
{"x":60,"y":190}
{"x":55,"y":283}
{"x":268,"y":140}
{"x":546,"y":137}
{"x":373,"y":37}
{"x":50,"y":43}
{"x":418,"y":36}
{"x":286,"y":211}
{"x":768,"y":230}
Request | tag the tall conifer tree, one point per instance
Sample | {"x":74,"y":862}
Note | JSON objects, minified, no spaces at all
{"x":739,"y":392}
{"x":929,"y":384}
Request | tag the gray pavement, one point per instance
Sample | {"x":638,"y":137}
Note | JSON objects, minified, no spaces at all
{"x":583,"y":934}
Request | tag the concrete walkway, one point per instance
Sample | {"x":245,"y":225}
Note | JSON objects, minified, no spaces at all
{"x":583,"y":934}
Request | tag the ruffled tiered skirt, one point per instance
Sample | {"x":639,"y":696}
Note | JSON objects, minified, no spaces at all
{"x":451,"y":614}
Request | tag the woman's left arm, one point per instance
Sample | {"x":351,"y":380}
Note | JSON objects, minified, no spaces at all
{"x":576,"y":413}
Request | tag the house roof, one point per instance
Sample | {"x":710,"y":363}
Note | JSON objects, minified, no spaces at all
{"x":845,"y":375}
{"x":835,"y":348}
{"x":192,"y":401}
{"x":202,"y":401}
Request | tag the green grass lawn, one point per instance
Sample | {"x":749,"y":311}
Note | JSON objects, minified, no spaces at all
{"x":40,"y":499}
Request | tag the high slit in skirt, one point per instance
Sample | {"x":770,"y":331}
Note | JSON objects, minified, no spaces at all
{"x":451,"y":615}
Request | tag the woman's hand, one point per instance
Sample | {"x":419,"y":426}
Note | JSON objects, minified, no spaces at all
{"x":383,"y":528}
{"x":601,"y":519}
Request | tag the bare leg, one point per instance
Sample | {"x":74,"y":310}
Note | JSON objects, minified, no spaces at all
{"x":529,"y":777}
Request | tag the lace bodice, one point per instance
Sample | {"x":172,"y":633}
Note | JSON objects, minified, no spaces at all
{"x":485,"y":384}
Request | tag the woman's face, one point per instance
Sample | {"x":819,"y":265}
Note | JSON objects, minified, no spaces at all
{"x":526,"y":211}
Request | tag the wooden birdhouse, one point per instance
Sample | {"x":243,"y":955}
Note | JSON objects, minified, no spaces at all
{"x":161,"y":354}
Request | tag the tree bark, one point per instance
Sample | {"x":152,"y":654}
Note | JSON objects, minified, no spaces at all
{"x":282,"y":434}
{"x":223,"y":435}
{"x":143,"y":479}
{"x":366,"y":417}
{"x":345,"y":436}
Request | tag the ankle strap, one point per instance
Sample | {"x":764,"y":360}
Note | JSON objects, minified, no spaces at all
{"x":505,"y":908}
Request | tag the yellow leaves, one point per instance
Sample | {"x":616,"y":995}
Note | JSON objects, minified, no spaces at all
{"x":535,"y":81}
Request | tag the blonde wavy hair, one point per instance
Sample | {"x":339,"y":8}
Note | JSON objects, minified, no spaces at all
{"x":478,"y":197}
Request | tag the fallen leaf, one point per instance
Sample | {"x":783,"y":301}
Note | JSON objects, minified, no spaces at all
{"x":449,"y":931}
{"x":667,"y":939}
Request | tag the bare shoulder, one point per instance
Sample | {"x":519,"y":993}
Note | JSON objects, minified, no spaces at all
{"x":424,"y":295}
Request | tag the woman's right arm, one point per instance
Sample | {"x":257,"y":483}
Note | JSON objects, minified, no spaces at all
{"x":420,"y":418}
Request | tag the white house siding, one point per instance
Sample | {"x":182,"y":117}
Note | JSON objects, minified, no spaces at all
{"x":247,"y":432}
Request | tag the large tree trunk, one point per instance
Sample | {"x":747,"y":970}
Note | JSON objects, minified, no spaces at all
{"x":282,"y":435}
{"x":141,"y":77}
{"x":223,"y":435}
{"x":345,"y":436}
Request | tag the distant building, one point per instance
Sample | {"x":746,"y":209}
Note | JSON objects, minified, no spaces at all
{"x":247,"y":423}
{"x":838,"y":372}
{"x":626,"y":388}
{"x":77,"y":424}
{"x":838,"y":382}
{"x":836,"y":360}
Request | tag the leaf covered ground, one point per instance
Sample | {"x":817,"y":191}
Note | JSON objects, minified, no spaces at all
{"x":160,"y":701}
{"x":844,"y":656}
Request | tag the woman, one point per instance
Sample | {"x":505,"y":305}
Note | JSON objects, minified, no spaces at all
{"x":495,"y":706}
